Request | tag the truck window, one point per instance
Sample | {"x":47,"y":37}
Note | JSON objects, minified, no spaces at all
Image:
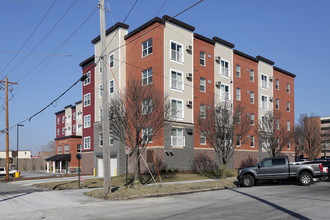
{"x":278,"y":161}
{"x":266,"y":163}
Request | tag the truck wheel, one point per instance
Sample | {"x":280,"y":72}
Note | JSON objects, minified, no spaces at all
{"x":305,"y":179}
{"x":247,"y":180}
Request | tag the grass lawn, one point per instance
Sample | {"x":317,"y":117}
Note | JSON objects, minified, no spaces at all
{"x":121,"y":192}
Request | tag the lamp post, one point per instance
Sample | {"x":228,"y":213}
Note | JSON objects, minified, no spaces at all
{"x":18,"y":125}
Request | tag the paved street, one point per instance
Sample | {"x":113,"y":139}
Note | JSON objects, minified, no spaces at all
{"x":283,"y":201}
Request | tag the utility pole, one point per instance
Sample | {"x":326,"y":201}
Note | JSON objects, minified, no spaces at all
{"x":7,"y":128}
{"x":105,"y":104}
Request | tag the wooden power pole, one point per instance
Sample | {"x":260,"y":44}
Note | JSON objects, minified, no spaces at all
{"x":7,"y":128}
{"x":105,"y":104}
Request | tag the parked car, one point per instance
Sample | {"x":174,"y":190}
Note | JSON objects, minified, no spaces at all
{"x":278,"y":168}
{"x":11,"y":172}
{"x":326,"y":165}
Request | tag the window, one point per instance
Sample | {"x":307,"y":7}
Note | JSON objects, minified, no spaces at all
{"x":238,"y":94}
{"x":58,"y":120}
{"x":87,"y":121}
{"x":74,"y":128}
{"x":224,"y":68}
{"x":202,"y":112}
{"x":288,"y":88}
{"x":266,"y":163}
{"x":79,"y":149}
{"x":252,"y":75}
{"x":87,"y":100}
{"x":202,"y":138}
{"x":111,"y":60}
{"x":277,"y":143}
{"x":58,"y":131}
{"x":66,"y":148}
{"x":62,"y":119}
{"x":238,"y":140}
{"x":224,"y":92}
{"x":252,"y":97}
{"x":177,"y":138}
{"x":146,"y":106}
{"x":111,"y":139}
{"x":100,"y":114}
{"x":202,"y":58}
{"x":202,"y":84}
{"x":88,"y":79}
{"x":100,"y":91}
{"x":100,"y":67}
{"x":264,"y":82}
{"x":288,"y":106}
{"x":288,"y":145}
{"x":239,"y":117}
{"x":288,"y":125}
{"x":177,"y":108}
{"x":277,"y":84}
{"x":252,"y":141}
{"x":264,"y":123}
{"x":59,"y":149}
{"x":111,"y":86}
{"x":238,"y":71}
{"x":147,"y":135}
{"x":252,"y":119}
{"x":147,"y":47}
{"x":277,"y":123}
{"x":100,"y":139}
{"x":63,"y":129}
{"x":176,"y":80}
{"x":264,"y":102}
{"x":87,"y":143}
{"x":278,"y":161}
{"x":74,"y":116}
{"x":176,"y":52}
{"x":277,"y":104}
{"x":147,"y":76}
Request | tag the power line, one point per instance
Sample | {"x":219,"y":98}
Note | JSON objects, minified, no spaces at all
{"x":29,"y":37}
{"x":42,"y":54}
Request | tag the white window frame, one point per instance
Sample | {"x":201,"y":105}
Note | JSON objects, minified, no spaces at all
{"x":288,"y":125}
{"x":277,"y":84}
{"x":222,"y":68}
{"x":277,"y":104}
{"x":147,"y":47}
{"x":147,"y":137}
{"x":201,"y":85}
{"x":175,"y":83}
{"x":202,"y":111}
{"x":100,"y":114}
{"x":147,"y":106}
{"x":88,"y":78}
{"x":252,"y":119}
{"x":100,"y":67}
{"x":87,"y":143}
{"x":175,"y":138}
{"x":238,"y":94}
{"x":58,"y":120}
{"x":100,"y":91}
{"x":111,"y":60}
{"x":238,"y":140}
{"x":288,"y":88}
{"x":148,"y":77}
{"x":87,"y":99}
{"x":65,"y":148}
{"x":178,"y":54}
{"x":58,"y":131}
{"x":74,"y":115}
{"x":252,"y":142}
{"x":87,"y":121}
{"x":202,"y":138}
{"x":111,"y":86}
{"x":277,"y":124}
{"x":288,"y":145}
{"x":264,"y":83}
{"x":63,"y":131}
{"x":224,"y":97}
{"x":74,"y":128}
{"x":62,"y":119}
{"x":251,"y":75}
{"x":100,"y":139}
{"x":202,"y":58}
{"x":111,"y":139}
{"x":238,"y":71}
{"x":266,"y":103}
{"x":174,"y":116}
{"x":251,"y":97}
{"x":58,"y":149}
{"x":288,"y":107}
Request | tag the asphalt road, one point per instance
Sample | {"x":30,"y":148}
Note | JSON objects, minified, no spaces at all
{"x":282,"y":201}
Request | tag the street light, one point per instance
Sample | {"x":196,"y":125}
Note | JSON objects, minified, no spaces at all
{"x":18,"y":125}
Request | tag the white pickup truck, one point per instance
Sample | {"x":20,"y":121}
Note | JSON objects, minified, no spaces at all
{"x":3,"y":172}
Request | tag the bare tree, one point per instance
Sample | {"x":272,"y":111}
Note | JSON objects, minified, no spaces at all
{"x":312,"y":135}
{"x":223,"y":129}
{"x":137,"y":117}
{"x":299,"y":140}
{"x":273,"y":133}
{"x":49,"y":147}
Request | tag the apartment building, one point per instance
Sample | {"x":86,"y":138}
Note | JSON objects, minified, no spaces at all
{"x":195,"y":72}
{"x":68,"y":139}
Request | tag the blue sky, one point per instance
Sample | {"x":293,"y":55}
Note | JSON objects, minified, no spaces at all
{"x":295,"y":34}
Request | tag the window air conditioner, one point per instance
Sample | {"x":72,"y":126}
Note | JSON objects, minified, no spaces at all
{"x":189,"y":103}
{"x":189,"y":48}
{"x":217,"y":58}
{"x":189,"y":75}
{"x":217,"y":83}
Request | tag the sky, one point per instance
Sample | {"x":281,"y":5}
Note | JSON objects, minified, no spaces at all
{"x":43,"y":42}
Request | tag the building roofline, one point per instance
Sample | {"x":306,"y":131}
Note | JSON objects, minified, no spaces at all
{"x":60,"y":112}
{"x":201,"y":37}
{"x":265,"y":60}
{"x":88,"y":60}
{"x":245,"y":55}
{"x":224,"y":42}
{"x":68,"y":106}
{"x":66,"y":137}
{"x":144,"y":26}
{"x":77,"y":103}
{"x":284,"y":71}
{"x":179,"y":23}
{"x":110,"y":30}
